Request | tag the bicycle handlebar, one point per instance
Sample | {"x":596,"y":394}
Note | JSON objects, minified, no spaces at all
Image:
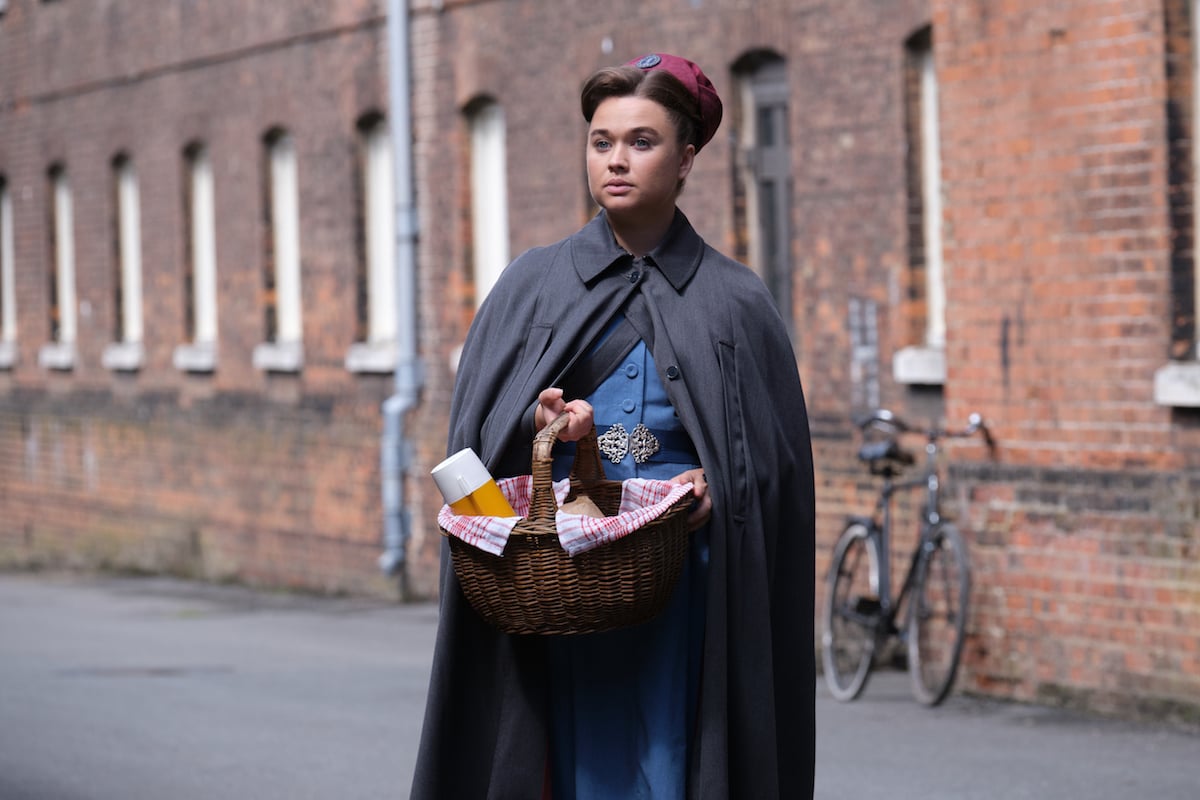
{"x":884,"y":418}
{"x":975,"y":424}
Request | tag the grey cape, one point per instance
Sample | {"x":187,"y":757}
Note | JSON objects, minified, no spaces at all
{"x":723,"y":353}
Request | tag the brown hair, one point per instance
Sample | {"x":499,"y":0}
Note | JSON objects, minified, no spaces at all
{"x":657,"y":85}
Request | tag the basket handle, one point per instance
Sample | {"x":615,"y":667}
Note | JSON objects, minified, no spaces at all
{"x":587,"y":467}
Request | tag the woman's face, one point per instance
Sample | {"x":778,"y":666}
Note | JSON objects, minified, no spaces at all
{"x":634,"y":161}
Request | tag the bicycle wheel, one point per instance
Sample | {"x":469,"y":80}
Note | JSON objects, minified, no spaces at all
{"x":851,"y":616}
{"x":937,"y":614}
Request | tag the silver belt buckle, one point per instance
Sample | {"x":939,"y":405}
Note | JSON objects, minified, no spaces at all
{"x":616,"y":442}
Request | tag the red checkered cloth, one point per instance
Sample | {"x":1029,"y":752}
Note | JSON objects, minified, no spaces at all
{"x":642,"y":501}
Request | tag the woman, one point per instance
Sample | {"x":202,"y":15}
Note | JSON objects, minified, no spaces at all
{"x":680,"y":357}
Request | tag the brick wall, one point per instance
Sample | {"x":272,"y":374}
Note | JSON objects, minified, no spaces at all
{"x":238,"y":474}
{"x":221,"y":490}
{"x":1059,"y":238}
{"x":1085,"y":587}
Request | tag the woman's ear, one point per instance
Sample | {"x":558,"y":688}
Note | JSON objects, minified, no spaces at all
{"x":686,"y":160}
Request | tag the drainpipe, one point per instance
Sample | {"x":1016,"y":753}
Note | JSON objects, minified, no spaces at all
{"x":396,"y":451}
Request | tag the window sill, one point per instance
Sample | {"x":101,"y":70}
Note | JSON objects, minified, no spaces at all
{"x":123,"y":357}
{"x":923,"y":365}
{"x":199,"y":357}
{"x":57,"y":355}
{"x":1178,"y":385}
{"x":279,"y":357}
{"x":371,"y":357}
{"x":8,"y":355}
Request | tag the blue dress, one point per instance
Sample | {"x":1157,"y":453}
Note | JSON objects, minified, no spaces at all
{"x":623,"y":703}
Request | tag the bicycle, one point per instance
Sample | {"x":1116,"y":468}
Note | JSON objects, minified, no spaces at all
{"x":860,"y":613}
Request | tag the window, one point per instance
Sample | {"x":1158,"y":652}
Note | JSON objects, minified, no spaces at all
{"x":1177,"y":384}
{"x":125,"y":351}
{"x":375,"y":347}
{"x":200,"y":278}
{"x":283,"y":350}
{"x":8,"y":287}
{"x":864,"y":354}
{"x":924,"y":361}
{"x":766,"y":176}
{"x":489,"y":195}
{"x":59,"y":353}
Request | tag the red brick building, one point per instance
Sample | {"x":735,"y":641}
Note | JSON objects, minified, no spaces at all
{"x":961,"y":207}
{"x":152,"y":440}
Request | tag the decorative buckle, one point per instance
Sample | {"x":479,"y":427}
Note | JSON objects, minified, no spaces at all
{"x":616,"y":442}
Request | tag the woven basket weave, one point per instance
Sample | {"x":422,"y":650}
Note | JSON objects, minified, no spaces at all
{"x":536,"y":588}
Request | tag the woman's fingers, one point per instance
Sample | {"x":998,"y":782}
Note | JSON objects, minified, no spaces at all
{"x":551,"y":406}
{"x":581,"y":419}
{"x":702,"y":506}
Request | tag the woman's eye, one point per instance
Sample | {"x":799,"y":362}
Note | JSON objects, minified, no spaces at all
{"x":600,"y":144}
{"x":641,"y":144}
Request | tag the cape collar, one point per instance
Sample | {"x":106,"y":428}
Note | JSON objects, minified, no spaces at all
{"x":594,"y":249}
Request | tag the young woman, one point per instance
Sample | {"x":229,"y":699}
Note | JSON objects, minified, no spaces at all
{"x":678,"y":356}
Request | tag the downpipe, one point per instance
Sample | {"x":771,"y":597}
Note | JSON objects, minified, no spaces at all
{"x":395,"y":461}
{"x":396,"y":451}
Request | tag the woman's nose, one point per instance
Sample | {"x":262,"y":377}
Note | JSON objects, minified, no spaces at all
{"x":618,"y":158}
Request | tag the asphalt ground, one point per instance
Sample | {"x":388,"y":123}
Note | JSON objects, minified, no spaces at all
{"x":140,"y":688}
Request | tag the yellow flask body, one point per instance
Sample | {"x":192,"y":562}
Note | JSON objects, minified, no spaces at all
{"x":486,"y":501}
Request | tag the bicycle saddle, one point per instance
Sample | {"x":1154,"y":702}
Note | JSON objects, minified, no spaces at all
{"x":885,"y":457}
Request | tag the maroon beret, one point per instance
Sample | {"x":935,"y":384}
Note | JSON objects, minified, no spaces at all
{"x":707,"y":101}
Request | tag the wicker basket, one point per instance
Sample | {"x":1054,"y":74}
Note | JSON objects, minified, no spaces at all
{"x":535,"y":587}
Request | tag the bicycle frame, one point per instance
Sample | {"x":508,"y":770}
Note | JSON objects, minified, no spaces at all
{"x":881,"y":524}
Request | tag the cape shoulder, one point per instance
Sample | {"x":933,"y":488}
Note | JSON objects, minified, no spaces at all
{"x":532,"y":268}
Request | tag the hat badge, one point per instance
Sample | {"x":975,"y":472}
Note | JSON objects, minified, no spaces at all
{"x":648,"y":62}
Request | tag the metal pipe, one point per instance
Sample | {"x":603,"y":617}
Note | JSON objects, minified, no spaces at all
{"x":396,"y":452}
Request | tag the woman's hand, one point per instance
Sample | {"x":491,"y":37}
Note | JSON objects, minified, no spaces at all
{"x":550,"y":406}
{"x":702,"y":508}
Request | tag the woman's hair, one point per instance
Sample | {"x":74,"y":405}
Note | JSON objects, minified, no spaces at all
{"x":657,"y":85}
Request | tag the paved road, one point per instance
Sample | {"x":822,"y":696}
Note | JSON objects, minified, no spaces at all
{"x":132,"y":689}
{"x":149,"y":689}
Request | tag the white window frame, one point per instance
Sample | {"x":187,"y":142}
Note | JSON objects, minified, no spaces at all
{"x":60,"y":354}
{"x":489,"y":197}
{"x":931,"y":191}
{"x":127,"y":354}
{"x":1178,"y":383}
{"x":926,"y":363}
{"x":8,"y":281}
{"x":286,"y":352}
{"x":378,"y":352}
{"x":745,"y":165}
{"x":200,"y":355}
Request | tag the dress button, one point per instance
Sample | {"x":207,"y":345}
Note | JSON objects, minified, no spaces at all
{"x":631,"y":370}
{"x":628,"y":406}
{"x":634,"y":276}
{"x":672,"y":372}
